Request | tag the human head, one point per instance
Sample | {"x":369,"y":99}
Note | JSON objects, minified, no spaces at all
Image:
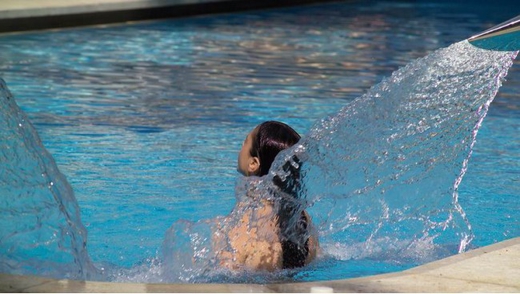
{"x":262,"y":145}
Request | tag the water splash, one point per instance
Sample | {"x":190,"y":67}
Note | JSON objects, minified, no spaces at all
{"x":388,"y":165}
{"x":41,"y":231}
{"x":379,"y":179}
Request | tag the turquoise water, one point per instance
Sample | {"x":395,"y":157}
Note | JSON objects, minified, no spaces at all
{"x":146,"y":120}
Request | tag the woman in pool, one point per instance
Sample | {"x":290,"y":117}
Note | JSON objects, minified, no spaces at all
{"x":261,"y":240}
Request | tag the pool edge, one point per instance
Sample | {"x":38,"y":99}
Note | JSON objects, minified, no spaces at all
{"x":57,"y":14}
{"x":494,"y":268}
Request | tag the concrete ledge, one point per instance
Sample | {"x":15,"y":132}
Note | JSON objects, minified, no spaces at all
{"x":495,"y":268}
{"x":24,"y":15}
{"x":37,"y":8}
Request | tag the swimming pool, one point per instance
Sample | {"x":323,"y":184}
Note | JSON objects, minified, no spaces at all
{"x":128,"y":121}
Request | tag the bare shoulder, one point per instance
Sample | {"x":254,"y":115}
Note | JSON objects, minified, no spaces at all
{"x":255,"y":240}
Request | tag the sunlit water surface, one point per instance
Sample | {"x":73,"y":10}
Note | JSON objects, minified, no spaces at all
{"x":145,"y":121}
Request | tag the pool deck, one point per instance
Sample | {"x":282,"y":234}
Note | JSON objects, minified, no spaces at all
{"x":494,"y":268}
{"x":27,"y":15}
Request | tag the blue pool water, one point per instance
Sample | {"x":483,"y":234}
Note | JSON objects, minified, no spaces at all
{"x":145,"y":120}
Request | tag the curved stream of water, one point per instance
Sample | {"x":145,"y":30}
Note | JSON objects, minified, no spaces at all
{"x":379,"y":178}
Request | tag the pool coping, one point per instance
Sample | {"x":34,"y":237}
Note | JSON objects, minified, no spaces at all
{"x":494,"y":268}
{"x":27,"y":15}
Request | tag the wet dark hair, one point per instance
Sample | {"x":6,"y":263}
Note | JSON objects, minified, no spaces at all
{"x":270,"y":138}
